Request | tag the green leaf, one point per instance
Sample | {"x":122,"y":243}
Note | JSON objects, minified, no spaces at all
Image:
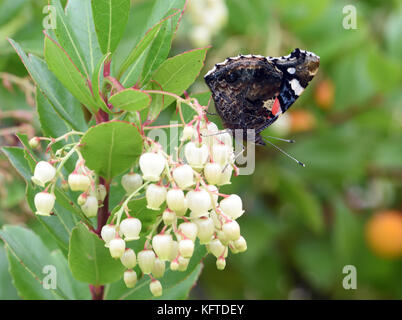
{"x":27,"y":257}
{"x":176,"y":284}
{"x":156,"y":104}
{"x":67,"y":38}
{"x":176,"y":74}
{"x":64,"y":104}
{"x":90,"y":260}
{"x":17,"y":158}
{"x":7,"y":290}
{"x":130,"y":100}
{"x":111,"y":148}
{"x":132,"y":63}
{"x":138,"y":208}
{"x":110,"y":19}
{"x":97,"y":78}
{"x":68,"y":74}
{"x":79,"y":16}
{"x":9,"y":9}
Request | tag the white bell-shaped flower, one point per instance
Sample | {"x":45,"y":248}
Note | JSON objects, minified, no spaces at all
{"x":186,"y":248}
{"x":220,"y":263}
{"x":78,"y":182}
{"x":199,"y":201}
{"x":226,"y":175}
{"x":221,"y":153}
{"x":90,"y":207}
{"x":189,"y":229}
{"x":222,"y":236}
{"x":146,"y":259}
{"x":231,"y":230}
{"x":225,"y":138}
{"x":44,"y":172}
{"x":188,"y":133}
{"x":206,"y":229}
{"x":216,"y":248}
{"x":130,"y":278}
{"x":174,"y":265}
{"x":240,"y":244}
{"x":108,"y":233}
{"x":196,"y":156}
{"x":44,"y":203}
{"x":155,"y":196}
{"x":183,"y":263}
{"x":129,"y":259}
{"x":213,"y":172}
{"x":101,"y":192}
{"x":131,"y":182}
{"x":159,"y":268}
{"x":214,"y":191}
{"x":155,"y":287}
{"x":174,"y":251}
{"x":152,"y":165}
{"x":209,"y":133}
{"x":182,"y":212}
{"x":175,"y":199}
{"x":130,"y":228}
{"x":162,"y":245}
{"x":169,"y":217}
{"x":117,"y":246}
{"x":232,"y":206}
{"x":183,"y":176}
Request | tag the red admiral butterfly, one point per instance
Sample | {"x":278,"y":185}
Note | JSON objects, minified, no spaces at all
{"x":250,"y":92}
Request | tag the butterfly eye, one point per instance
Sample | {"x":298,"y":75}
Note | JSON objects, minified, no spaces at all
{"x":231,"y":77}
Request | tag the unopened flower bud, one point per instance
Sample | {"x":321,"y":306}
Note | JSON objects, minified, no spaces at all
{"x":188,"y":133}
{"x":186,"y":248}
{"x":117,"y":246}
{"x":174,"y":265}
{"x":44,"y":172}
{"x":146,"y":259}
{"x":130,"y":228}
{"x":183,"y":263}
{"x":159,"y":268}
{"x":183,"y":176}
{"x":82,"y":198}
{"x":34,"y":142}
{"x":232,"y":206}
{"x":90,"y":207}
{"x":162,"y":245}
{"x":156,"y":288}
{"x":220,"y":263}
{"x":168,"y":217}
{"x":199,"y":201}
{"x":231,"y":230}
{"x":206,"y":230}
{"x":131,"y":182}
{"x":196,"y":156}
{"x":128,"y":259}
{"x":155,"y":196}
{"x":152,"y":165}
{"x":130,"y":278}
{"x":189,"y":229}
{"x":216,"y":248}
{"x":108,"y":233}
{"x":213,"y":172}
{"x":44,"y":203}
{"x":226,"y":175}
{"x":240,"y":244}
{"x":78,"y":182}
{"x":175,"y":199}
{"x":101,"y":192}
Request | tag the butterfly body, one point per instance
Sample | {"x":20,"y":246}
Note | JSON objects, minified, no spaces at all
{"x":250,"y":92}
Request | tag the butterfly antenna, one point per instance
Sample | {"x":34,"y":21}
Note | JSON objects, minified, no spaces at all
{"x":215,"y":133}
{"x":281,"y":139}
{"x":285,"y":153}
{"x":234,"y":158}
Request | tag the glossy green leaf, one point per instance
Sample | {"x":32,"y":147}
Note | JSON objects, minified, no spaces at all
{"x":130,"y":100}
{"x":111,"y":148}
{"x":176,"y":74}
{"x":80,"y":18}
{"x":68,"y":74}
{"x":176,"y":284}
{"x":7,"y":289}
{"x":90,"y":260}
{"x":28,"y":257}
{"x":64,"y":104}
{"x":110,"y":19}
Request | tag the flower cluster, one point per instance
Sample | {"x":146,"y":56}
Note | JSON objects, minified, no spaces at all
{"x":187,"y":187}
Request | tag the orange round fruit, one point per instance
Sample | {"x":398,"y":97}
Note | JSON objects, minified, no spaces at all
{"x":324,"y":94}
{"x":384,"y":233}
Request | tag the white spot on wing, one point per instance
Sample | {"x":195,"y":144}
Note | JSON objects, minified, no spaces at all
{"x":291,"y":70}
{"x":296,"y":87}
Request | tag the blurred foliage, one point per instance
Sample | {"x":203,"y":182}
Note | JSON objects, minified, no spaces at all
{"x":303,"y":225}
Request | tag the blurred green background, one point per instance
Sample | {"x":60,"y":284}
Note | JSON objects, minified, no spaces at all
{"x":302,"y":225}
